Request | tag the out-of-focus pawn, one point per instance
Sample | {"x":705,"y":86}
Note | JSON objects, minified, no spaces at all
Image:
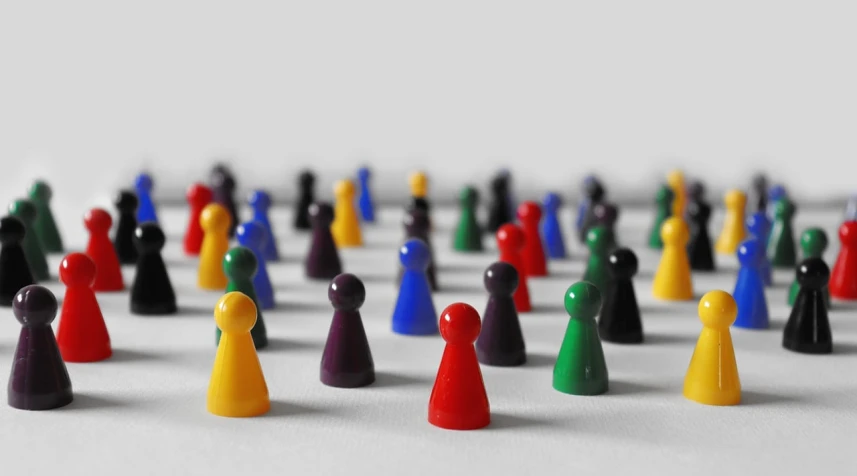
{"x":851,"y":208}
{"x":733,"y":232}
{"x":365,"y":202}
{"x":26,"y":211}
{"x":223,"y":186}
{"x":750,"y":287}
{"x":533,"y":254}
{"x":418,"y":183}
{"x":673,"y":280}
{"x":758,"y":227}
{"x":580,"y":366}
{"x":808,"y":328}
{"x":510,"y":242}
{"x":252,"y":234}
{"x":215,"y":223}
{"x":551,"y":228}
{"x":606,"y":216}
{"x":591,"y":186}
{"x":237,"y":387}
{"x":468,"y":236}
{"x":619,"y":320}
{"x":306,"y":197}
{"x":108,"y":271}
{"x":198,"y":197}
{"x":501,"y":342}
{"x":417,"y":225}
{"x":663,"y":210}
{"x":260,"y":202}
{"x":813,"y":244}
{"x":152,"y":293}
{"x":782,"y":249}
{"x":143,"y":186}
{"x":712,"y":376}
{"x":123,"y":240}
{"x":776,"y":193}
{"x":240,"y":265}
{"x":700,"y":252}
{"x":595,"y":194}
{"x":322,"y":260}
{"x":414,"y":313}
{"x":675,"y":180}
{"x":499,"y":211}
{"x":843,"y":278}
{"x":15,"y":272}
{"x":458,"y":399}
{"x":758,"y":196}
{"x":347,"y":360}
{"x":45,"y":227}
{"x":346,"y":225}
{"x":39,"y":379}
{"x":81,"y":334}
{"x":598,"y":241}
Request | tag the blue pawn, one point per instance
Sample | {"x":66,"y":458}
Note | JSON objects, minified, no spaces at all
{"x":146,"y":208}
{"x":583,"y":206}
{"x":759,"y":227}
{"x":367,"y":207}
{"x":775,"y":193}
{"x":414,"y":313}
{"x":260,"y":201}
{"x":551,"y":231}
{"x":251,"y":234}
{"x":750,"y":288}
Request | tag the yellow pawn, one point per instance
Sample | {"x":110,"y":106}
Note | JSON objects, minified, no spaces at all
{"x":215,"y":222}
{"x":237,"y":387}
{"x":346,"y":225}
{"x":733,"y":224}
{"x":675,"y":180}
{"x":672,"y":279}
{"x":712,"y":377}
{"x":418,"y":182}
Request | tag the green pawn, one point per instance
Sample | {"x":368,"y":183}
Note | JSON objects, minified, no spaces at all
{"x":25,"y":210}
{"x":468,"y":236}
{"x":781,"y":249}
{"x":813,"y":244}
{"x":580,"y":366}
{"x":240,"y":266}
{"x":598,"y":241}
{"x":663,"y":210}
{"x":45,"y":226}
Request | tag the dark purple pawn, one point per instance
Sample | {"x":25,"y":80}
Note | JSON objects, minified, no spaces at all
{"x":417,"y":225}
{"x":306,"y":197}
{"x":595,"y":194}
{"x":347,"y":360}
{"x":14,"y":269}
{"x":126,"y":204}
{"x":619,"y":320}
{"x":39,"y":379}
{"x":606,"y":215}
{"x":223,"y":188}
{"x":501,"y":342}
{"x":322,"y":261}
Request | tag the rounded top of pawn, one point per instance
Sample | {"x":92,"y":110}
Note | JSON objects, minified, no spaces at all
{"x":35,"y":305}
{"x":199,"y":194}
{"x":306,"y":178}
{"x":717,"y":310}
{"x":757,"y":224}
{"x":40,"y":190}
{"x":552,"y":201}
{"x":321,"y":213}
{"x":751,"y":252}
{"x":848,"y":233}
{"x":364,"y":173}
{"x":605,"y":213}
{"x":529,"y":212}
{"x":418,"y":182}
{"x":696,"y":191}
{"x":759,"y":181}
{"x":674,"y":231}
{"x":235,"y":312}
{"x":784,"y":208}
{"x":460,"y":324}
{"x":126,"y":201}
{"x":251,"y":234}
{"x":240,"y":263}
{"x":675,"y":178}
{"x":776,"y":192}
{"x":12,"y":230}
{"x":735,"y":199}
{"x":344,"y":189}
{"x":149,"y":238}
{"x":813,"y":242}
{"x":215,"y":218}
{"x":813,"y":273}
{"x":510,"y":236}
{"x":97,"y":220}
{"x":499,"y":184}
{"x":664,"y":195}
{"x":24,"y":209}
{"x":260,"y":200}
{"x":346,"y":292}
{"x":415,"y":254}
{"x":468,"y":197}
{"x":144,"y":182}
{"x":501,"y":279}
{"x":597,"y":239}
{"x":77,"y":269}
{"x":582,"y":300}
{"x":623,"y":263}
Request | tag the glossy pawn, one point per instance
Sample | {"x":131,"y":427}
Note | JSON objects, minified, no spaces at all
{"x":123,"y":239}
{"x":533,"y":254}
{"x":551,"y":229}
{"x":499,"y":211}
{"x":468,"y":236}
{"x":260,"y":202}
{"x":365,"y":201}
{"x":252,"y":235}
{"x":240,"y":264}
{"x":26,"y":211}
{"x":15,"y":272}
{"x":198,"y":197}
{"x":733,"y":231}
{"x":306,"y":197}
{"x":152,"y":292}
{"x":108,"y":271}
{"x":700,"y":251}
{"x":215,"y":223}
{"x":598,"y":242}
{"x":82,"y":333}
{"x":501,"y":342}
{"x":347,"y":360}
{"x":619,"y":321}
{"x":581,"y":368}
{"x":749,"y":291}
{"x":510,"y":242}
{"x":322,"y":261}
{"x":673,"y":280}
{"x":843,"y":278}
{"x":414,"y":313}
{"x":45,"y":226}
{"x":808,"y":328}
{"x":143,"y":186}
{"x":346,"y":225}
{"x":813,"y":244}
{"x":712,"y":375}
{"x":758,"y":227}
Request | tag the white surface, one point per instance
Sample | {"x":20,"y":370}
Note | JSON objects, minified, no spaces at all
{"x":552,"y":89}
{"x":143,"y":412}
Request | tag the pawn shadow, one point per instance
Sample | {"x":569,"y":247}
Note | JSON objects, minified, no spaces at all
{"x":539,"y":360}
{"x":754,"y":397}
{"x":195,"y":311}
{"x":844,"y":348}
{"x":281,"y":408}
{"x":304,"y":306}
{"x":508,"y":421}
{"x":128,"y":355}
{"x":385,"y":379}
{"x":657,"y":338}
{"x":624,"y":387}
{"x":278,"y":344}
{"x":86,"y":401}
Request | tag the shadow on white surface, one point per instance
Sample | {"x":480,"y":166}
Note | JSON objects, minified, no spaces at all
{"x":281,"y":408}
{"x":657,"y":338}
{"x":508,"y":421}
{"x":384,"y":379}
{"x":278,"y":344}
{"x":195,"y":311}
{"x":537,"y":359}
{"x":755,"y":397}
{"x":844,"y":348}
{"x":85,"y":401}
{"x":127,"y":355}
{"x":623,"y":387}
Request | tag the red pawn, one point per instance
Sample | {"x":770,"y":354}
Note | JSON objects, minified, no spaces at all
{"x":510,"y":241}
{"x":843,"y":277}
{"x":198,"y":196}
{"x":108,"y":273}
{"x":81,"y":335}
{"x":458,"y":400}
{"x":533,"y":255}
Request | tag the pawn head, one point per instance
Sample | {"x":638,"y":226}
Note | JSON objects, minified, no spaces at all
{"x":40,"y":191}
{"x":97,"y":220}
{"x":510,"y":236}
{"x":468,"y":197}
{"x":346,"y":292}
{"x":848,"y":233}
{"x":735,"y":199}
{"x":321,"y":214}
{"x":35,"y":305}
{"x":776,"y":192}
{"x":149,"y":238}
{"x":674,"y":231}
{"x":552,"y":202}
{"x":415,"y":254}
{"x":501,"y":279}
{"x":582,"y":300}
{"x":623,"y":263}
{"x":460,"y":324}
{"x":606,"y":213}
{"x":696,"y":191}
{"x":675,"y":179}
{"x":126,"y":201}
{"x":252,"y":234}
{"x":664,"y":195}
{"x":240,"y":263}
{"x":235,"y":312}
{"x":12,"y":230}
{"x":344,"y":190}
{"x":215,"y":218}
{"x":784,"y":208}
{"x":759,"y":182}
{"x":499,"y":184}
{"x":199,"y":195}
{"x":529,"y":212}
{"x":144,"y":182}
{"x":24,"y":209}
{"x":418,"y":181}
{"x":813,"y":242}
{"x":757,"y":225}
{"x":598,"y":239}
{"x":260,"y":200}
{"x":717,"y":310}
{"x":363,"y":173}
{"x":751,"y":252}
{"x":813,"y":273}
{"x":306,"y":179}
{"x":77,"y":269}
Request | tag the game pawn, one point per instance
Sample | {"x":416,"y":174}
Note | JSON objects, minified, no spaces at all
{"x":108,"y":271}
{"x":152,"y":292}
{"x":750,"y":286}
{"x":813,"y":243}
{"x":252,"y":235}
{"x":851,"y":208}
{"x":712,"y":376}
{"x":15,"y":272}
{"x":595,"y":194}
{"x":551,"y":229}
{"x":580,"y":366}
{"x":143,"y":186}
{"x":606,"y":216}
{"x":322,"y":261}
{"x":663,"y":210}
{"x":346,"y":224}
{"x":776,"y":193}
{"x":215,"y":223}
{"x":198,"y":197}
{"x":843,"y":278}
{"x":675,"y":180}
{"x":700,"y":251}
{"x":237,"y":387}
{"x":619,"y":320}
{"x":417,"y":225}
{"x":26,"y":211}
{"x":260,"y":202}
{"x":306,"y":197}
{"x":223,"y":187}
{"x":418,"y":183}
{"x":808,"y":328}
{"x":365,"y":202}
{"x":45,"y":226}
{"x":414,"y":313}
{"x":673,"y":280}
{"x":733,"y":231}
{"x":347,"y":360}
{"x":468,"y":236}
{"x":781,"y":248}
{"x":758,"y":196}
{"x":123,"y":239}
{"x":499,"y":211}
{"x":510,"y":242}
{"x":82,"y":333}
{"x":240,"y":265}
{"x":501,"y":342}
{"x":458,"y":399}
{"x":598,"y":242}
{"x":759,"y":227}
{"x":533,"y":253}
{"x":39,"y":379}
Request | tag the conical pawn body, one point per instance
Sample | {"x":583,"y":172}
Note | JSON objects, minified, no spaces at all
{"x":712,"y":376}
{"x":734,"y":227}
{"x":581,"y":368}
{"x":346,"y":223}
{"x":215,"y":222}
{"x":672,"y":280}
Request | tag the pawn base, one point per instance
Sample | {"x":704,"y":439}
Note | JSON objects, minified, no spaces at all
{"x":511,"y":359}
{"x":40,"y":402}
{"x":348,"y":380}
{"x":154,"y":310}
{"x":808,"y":347}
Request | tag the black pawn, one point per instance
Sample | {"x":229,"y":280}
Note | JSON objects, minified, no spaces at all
{"x":501,"y":342}
{"x":15,"y":270}
{"x":595,"y":194}
{"x":620,"y":321}
{"x":347,"y":360}
{"x":39,"y":379}
{"x":758,"y":200}
{"x":417,"y":225}
{"x":152,"y":292}
{"x":606,"y":216}
{"x":808,"y":329}
{"x":306,"y":197}
{"x":499,"y":211}
{"x":322,"y":261}
{"x":699,"y":248}
{"x":223,"y":186}
{"x":126,"y":204}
